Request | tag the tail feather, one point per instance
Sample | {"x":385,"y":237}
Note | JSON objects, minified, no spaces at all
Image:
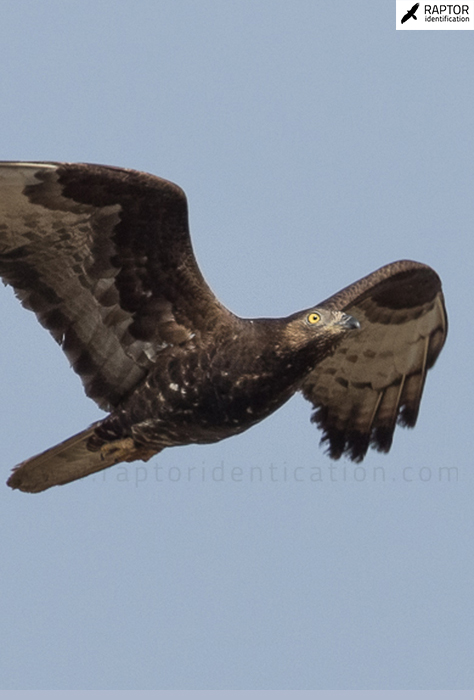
{"x":71,"y":460}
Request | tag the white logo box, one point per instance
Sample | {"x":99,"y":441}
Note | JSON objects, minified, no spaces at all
{"x":416,"y":16}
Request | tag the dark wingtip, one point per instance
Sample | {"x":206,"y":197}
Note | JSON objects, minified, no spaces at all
{"x":350,"y":443}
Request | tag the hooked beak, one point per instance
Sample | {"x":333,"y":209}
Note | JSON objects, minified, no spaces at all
{"x":349,"y":322}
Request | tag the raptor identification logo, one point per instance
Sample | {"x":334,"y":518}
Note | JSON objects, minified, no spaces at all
{"x":433,"y":16}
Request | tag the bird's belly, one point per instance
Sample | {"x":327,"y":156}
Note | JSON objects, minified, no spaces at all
{"x":212,"y":411}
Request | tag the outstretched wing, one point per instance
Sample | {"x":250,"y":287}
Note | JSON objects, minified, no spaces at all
{"x":103,"y":257}
{"x":375,"y":377}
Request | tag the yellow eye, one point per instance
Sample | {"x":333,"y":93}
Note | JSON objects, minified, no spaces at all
{"x":313,"y":318}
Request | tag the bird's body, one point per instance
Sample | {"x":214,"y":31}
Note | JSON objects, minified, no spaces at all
{"x":202,"y":393}
{"x":103,"y":256}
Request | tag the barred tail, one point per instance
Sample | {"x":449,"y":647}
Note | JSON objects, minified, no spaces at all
{"x":71,"y":460}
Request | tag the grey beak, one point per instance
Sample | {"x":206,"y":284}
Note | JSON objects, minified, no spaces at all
{"x":349,"y":322}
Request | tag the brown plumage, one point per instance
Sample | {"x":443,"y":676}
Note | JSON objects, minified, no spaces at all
{"x":103,"y":257}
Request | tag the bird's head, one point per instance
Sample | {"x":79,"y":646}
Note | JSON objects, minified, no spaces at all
{"x":318,"y":328}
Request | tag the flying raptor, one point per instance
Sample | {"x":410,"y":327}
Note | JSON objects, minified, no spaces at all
{"x":410,"y":13}
{"x":103,"y":256}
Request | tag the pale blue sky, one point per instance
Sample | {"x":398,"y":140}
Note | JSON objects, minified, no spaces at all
{"x":315,"y":144}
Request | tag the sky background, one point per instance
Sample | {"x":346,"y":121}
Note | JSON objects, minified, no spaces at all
{"x":315,"y":144}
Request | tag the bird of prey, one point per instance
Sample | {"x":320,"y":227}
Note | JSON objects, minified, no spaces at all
{"x":411,"y":13}
{"x":103,"y":256}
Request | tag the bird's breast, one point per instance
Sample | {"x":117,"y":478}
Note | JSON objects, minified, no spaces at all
{"x":205,"y":396}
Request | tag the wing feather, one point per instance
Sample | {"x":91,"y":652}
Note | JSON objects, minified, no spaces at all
{"x":103,"y":257}
{"x":375,"y":378}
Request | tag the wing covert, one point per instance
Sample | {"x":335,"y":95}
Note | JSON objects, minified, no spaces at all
{"x":103,"y":257}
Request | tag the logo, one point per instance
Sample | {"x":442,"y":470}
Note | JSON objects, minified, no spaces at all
{"x":410,"y":13}
{"x":433,"y":16}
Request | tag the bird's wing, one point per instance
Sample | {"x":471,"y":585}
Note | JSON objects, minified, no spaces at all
{"x":375,"y":377}
{"x":103,"y":257}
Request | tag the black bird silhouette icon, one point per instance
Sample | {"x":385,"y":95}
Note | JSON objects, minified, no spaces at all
{"x":411,"y":13}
